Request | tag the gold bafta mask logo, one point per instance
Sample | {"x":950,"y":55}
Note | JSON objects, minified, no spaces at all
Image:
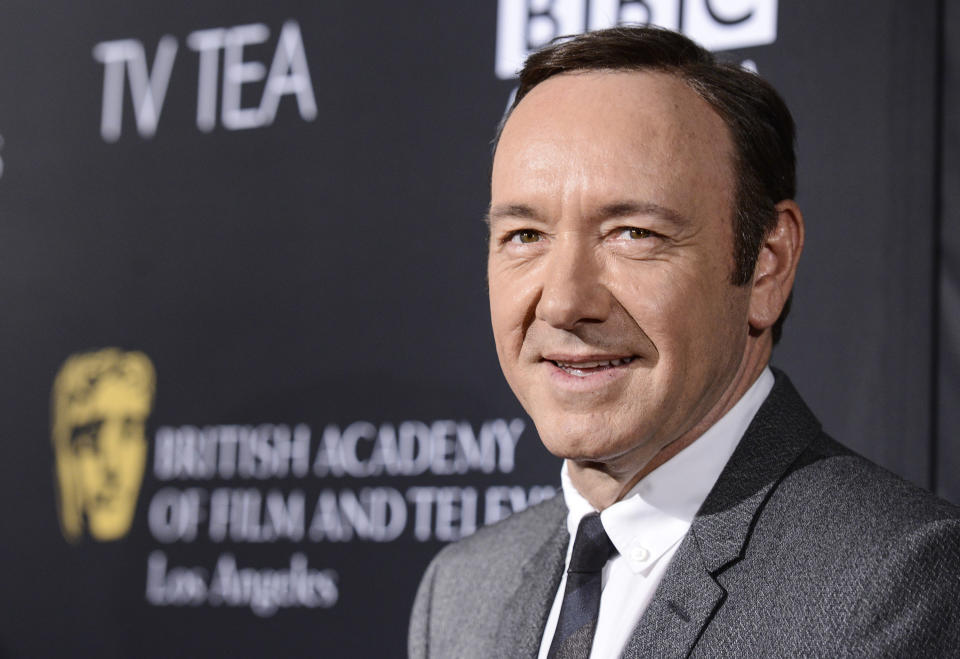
{"x":101,"y":401}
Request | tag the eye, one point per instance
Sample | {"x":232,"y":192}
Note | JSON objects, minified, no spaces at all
{"x":86,"y":436}
{"x":634,"y":233}
{"x":524,"y":236}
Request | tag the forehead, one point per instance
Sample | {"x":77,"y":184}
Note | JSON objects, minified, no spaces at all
{"x":619,"y":133}
{"x":112,"y":396}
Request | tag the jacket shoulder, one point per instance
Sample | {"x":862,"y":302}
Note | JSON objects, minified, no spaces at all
{"x":833,"y":480}
{"x":821,"y":552}
{"x":845,"y":557}
{"x":469,"y":583}
{"x":518,"y":535}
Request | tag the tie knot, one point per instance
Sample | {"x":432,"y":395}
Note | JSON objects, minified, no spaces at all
{"x":591,"y":548}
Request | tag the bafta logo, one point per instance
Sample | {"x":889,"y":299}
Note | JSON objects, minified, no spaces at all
{"x":100,"y":405}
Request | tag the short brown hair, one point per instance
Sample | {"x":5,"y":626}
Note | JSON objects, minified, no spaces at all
{"x":760,"y":125}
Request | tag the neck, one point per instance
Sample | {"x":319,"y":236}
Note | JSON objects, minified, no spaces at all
{"x":605,"y":483}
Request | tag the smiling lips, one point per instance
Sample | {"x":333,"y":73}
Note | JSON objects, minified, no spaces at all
{"x":586,"y":368}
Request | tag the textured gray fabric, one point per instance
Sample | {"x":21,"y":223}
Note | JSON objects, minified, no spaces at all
{"x":489,"y":595}
{"x":575,"y":646}
{"x":802,"y":549}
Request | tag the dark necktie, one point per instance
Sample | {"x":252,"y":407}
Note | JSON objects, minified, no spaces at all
{"x":581,"y":598}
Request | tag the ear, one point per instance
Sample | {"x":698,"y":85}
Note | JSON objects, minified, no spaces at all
{"x":776,"y":266}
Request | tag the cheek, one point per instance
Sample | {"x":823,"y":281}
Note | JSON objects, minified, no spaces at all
{"x":499,"y":319}
{"x":512,"y":300}
{"x":87,"y":461}
{"x":132,"y":453}
{"x":90,"y":470}
{"x":660,"y":300}
{"x":682,"y":310}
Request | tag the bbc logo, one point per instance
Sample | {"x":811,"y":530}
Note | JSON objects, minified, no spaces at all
{"x":525,"y":25}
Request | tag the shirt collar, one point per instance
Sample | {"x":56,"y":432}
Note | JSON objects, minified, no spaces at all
{"x":658,"y":511}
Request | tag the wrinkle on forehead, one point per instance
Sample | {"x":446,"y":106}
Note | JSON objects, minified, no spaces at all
{"x":610,"y":134}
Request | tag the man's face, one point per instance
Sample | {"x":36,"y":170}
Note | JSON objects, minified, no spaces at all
{"x":110,"y":450}
{"x":610,"y":261}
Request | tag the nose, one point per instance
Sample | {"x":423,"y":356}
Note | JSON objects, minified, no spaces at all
{"x":572,"y":292}
{"x":110,"y":445}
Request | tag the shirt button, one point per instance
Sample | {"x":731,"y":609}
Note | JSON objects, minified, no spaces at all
{"x":639,"y":554}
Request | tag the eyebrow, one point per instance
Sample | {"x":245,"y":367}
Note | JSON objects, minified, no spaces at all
{"x":609,"y":211}
{"x":629,"y":208}
{"x":521,"y":211}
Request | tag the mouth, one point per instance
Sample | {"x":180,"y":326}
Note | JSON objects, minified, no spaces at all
{"x":582,"y":368}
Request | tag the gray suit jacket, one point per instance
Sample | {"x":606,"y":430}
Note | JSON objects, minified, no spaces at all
{"x":802,"y":549}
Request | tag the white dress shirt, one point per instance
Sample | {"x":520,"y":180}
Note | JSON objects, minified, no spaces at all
{"x":647,"y":525}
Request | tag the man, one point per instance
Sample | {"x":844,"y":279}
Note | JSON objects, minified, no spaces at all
{"x":643,"y":246}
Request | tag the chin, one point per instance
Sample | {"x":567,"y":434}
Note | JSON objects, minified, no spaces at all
{"x":585,"y":442}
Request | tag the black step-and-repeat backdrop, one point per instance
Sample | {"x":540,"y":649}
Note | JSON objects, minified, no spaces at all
{"x":249,"y":386}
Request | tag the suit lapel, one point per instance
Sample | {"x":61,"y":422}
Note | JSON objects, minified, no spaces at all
{"x":683,"y":603}
{"x":689,"y":594}
{"x":525,"y":615}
